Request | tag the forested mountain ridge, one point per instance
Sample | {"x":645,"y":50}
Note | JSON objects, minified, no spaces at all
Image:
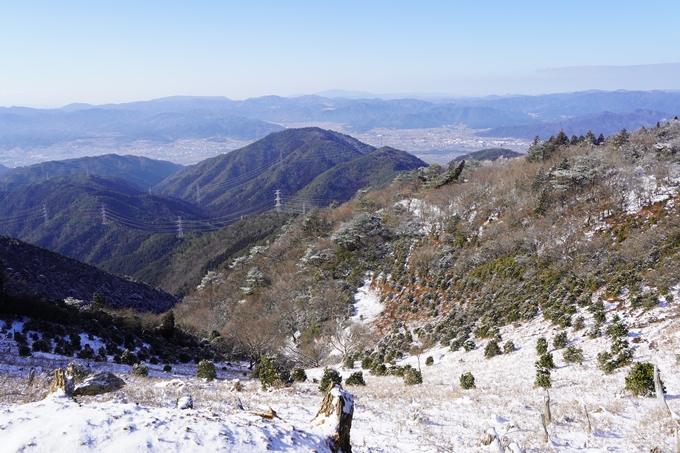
{"x":162,"y":240}
{"x":287,"y":161}
{"x":137,"y":170}
{"x":67,"y":215}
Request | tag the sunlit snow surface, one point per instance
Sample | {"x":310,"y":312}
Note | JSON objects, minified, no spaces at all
{"x":367,"y":306}
{"x":60,"y":424}
{"x":437,"y":416}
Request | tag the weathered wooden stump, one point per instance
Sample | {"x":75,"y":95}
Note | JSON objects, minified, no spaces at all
{"x":335,"y":418}
{"x":61,"y":382}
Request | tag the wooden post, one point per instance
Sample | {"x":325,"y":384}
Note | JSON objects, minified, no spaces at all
{"x":546,"y":437}
{"x":546,"y":407}
{"x":658,"y":389}
{"x":589,"y":429}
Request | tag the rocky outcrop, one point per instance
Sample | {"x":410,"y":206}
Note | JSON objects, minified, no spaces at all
{"x":335,"y":419}
{"x":31,"y":271}
{"x":99,"y":383}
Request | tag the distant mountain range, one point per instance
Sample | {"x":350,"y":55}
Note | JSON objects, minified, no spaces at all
{"x":606,"y":123}
{"x":214,"y":120}
{"x":137,"y":170}
{"x":28,"y":128}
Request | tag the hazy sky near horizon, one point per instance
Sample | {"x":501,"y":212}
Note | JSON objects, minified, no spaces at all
{"x":56,"y":53}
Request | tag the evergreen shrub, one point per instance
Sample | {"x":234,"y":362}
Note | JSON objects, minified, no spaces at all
{"x":206,"y":370}
{"x":541,"y":346}
{"x":139,"y":369}
{"x":573,"y":355}
{"x":299,"y":375}
{"x":467,"y":381}
{"x":330,"y":378}
{"x":560,"y":341}
{"x":413,"y":377}
{"x":640,"y":380}
{"x":356,"y":378}
{"x":492,"y":349}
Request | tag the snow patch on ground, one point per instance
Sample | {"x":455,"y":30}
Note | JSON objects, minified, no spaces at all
{"x":367,"y":306}
{"x":60,"y":424}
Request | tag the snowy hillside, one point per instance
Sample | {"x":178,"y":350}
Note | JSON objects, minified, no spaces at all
{"x":437,"y":416}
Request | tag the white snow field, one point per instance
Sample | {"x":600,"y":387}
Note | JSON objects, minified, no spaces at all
{"x":437,"y":416}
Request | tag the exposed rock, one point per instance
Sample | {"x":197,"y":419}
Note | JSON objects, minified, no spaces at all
{"x":335,"y":419}
{"x":185,"y":402}
{"x":99,"y":383}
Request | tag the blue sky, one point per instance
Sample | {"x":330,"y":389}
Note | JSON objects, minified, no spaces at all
{"x":55,"y":53}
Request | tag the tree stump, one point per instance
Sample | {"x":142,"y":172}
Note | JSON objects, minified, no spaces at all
{"x":61,"y":382}
{"x":335,"y":419}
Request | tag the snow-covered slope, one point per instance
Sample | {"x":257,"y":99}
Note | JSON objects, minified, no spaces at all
{"x":437,"y":416}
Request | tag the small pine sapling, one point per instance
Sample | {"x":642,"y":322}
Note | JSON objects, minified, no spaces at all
{"x":469,"y":345}
{"x":579,"y":323}
{"x":206,"y":370}
{"x":541,"y":346}
{"x":492,"y":349}
{"x":573,"y":355}
{"x":467,"y":381}
{"x":330,"y":379}
{"x":266,"y":372}
{"x":542,"y":377}
{"x":356,"y":378}
{"x":413,"y":377}
{"x":139,"y":369}
{"x":429,"y":361}
{"x":640,"y":379}
{"x":299,"y":375}
{"x":560,"y":341}
{"x":508,"y":347}
{"x":546,"y":361}
{"x":348,"y":363}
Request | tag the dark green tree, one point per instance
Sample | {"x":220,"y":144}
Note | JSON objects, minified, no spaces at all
{"x":167,"y":327}
{"x":330,"y":379}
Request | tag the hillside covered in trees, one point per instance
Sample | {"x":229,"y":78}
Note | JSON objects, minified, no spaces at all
{"x":454,"y":259}
{"x":288,"y":162}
